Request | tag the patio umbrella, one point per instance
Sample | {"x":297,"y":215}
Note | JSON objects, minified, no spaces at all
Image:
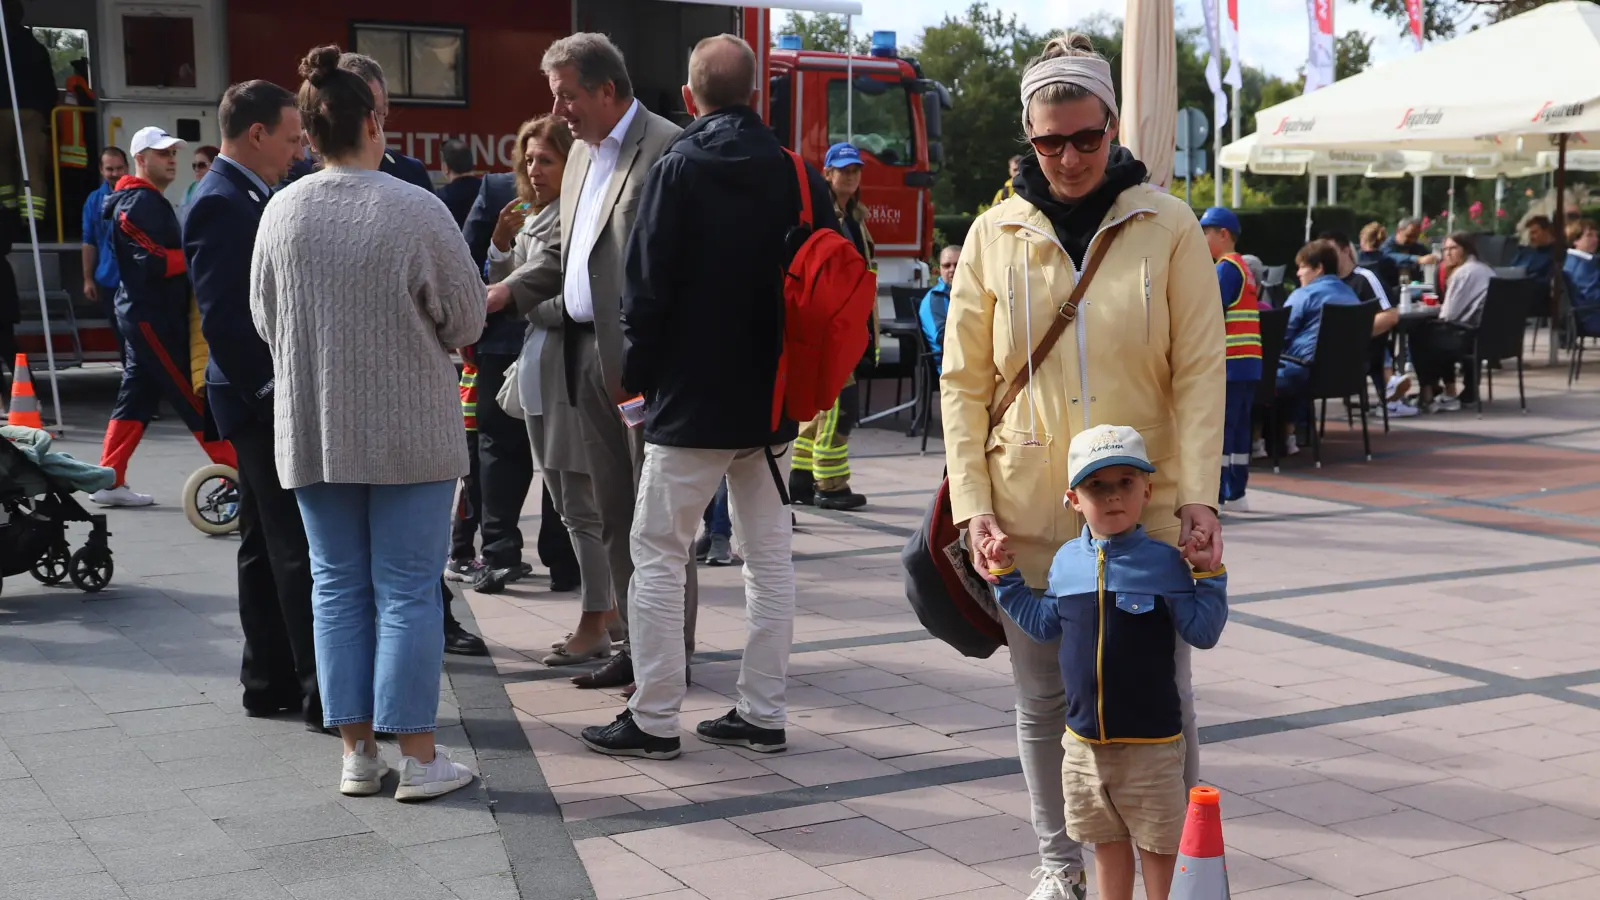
{"x":1149,"y":116}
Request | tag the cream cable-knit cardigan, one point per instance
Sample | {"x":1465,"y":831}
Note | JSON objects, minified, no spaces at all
{"x":361,"y":285}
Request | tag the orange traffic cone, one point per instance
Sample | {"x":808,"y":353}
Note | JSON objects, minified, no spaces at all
{"x":1202,"y":868}
{"x":24,"y":405}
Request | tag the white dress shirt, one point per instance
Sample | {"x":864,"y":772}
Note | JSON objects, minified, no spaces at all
{"x":586,"y":219}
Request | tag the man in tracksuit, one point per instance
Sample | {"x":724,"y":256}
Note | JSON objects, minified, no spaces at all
{"x":152,"y":307}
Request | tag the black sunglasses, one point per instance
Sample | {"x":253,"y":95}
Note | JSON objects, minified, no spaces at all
{"x":197,"y":166}
{"x":1088,"y":140}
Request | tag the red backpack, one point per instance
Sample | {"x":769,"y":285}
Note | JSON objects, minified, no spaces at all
{"x":828,"y":296}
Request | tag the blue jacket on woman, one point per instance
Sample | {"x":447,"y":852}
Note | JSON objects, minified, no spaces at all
{"x":1305,"y":315}
{"x":1583,"y":281}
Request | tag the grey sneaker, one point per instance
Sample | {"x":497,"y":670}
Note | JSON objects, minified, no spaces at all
{"x":1059,"y":884}
{"x":363,"y":772}
{"x":720,"y":552}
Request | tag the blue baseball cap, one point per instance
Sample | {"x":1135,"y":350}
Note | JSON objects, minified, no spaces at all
{"x":841,"y":155}
{"x":1220,"y":217}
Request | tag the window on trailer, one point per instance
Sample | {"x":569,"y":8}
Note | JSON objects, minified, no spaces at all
{"x":158,"y":51}
{"x":65,"y":45}
{"x":423,"y":64}
{"x":881,"y":119}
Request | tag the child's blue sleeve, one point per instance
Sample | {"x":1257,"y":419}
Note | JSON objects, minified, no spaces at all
{"x":1200,"y":618}
{"x":1037,"y":616}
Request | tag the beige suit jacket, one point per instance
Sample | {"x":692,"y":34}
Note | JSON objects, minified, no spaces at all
{"x":538,"y":282}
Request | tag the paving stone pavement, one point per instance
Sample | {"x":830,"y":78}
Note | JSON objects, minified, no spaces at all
{"x":1405,"y":706}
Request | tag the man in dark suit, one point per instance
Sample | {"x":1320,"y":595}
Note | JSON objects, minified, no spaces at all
{"x":260,"y":139}
{"x":461,"y":185}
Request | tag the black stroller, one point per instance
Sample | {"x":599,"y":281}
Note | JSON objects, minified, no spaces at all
{"x":33,"y":535}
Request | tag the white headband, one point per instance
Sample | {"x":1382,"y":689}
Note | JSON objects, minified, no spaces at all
{"x":1087,"y":72}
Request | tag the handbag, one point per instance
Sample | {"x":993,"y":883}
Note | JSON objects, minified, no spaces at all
{"x":509,"y":398}
{"x":950,"y":598}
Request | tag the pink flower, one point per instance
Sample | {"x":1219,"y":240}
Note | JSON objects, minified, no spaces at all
{"x":1426,"y":223}
{"x":1500,"y":214}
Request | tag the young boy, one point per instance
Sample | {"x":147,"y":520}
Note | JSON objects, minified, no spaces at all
{"x":1118,"y":600}
{"x":1241,"y":309}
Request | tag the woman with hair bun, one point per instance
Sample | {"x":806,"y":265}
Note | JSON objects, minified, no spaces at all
{"x":1145,"y":348}
{"x":361,"y":286}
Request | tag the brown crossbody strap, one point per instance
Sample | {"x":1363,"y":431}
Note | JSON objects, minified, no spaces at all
{"x":1058,"y":325}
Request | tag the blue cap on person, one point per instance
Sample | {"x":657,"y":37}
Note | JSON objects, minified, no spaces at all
{"x":841,"y":155}
{"x":1220,"y":217}
{"x":1103,"y":446}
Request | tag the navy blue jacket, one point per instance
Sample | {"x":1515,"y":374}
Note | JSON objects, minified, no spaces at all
{"x":1536,"y":261}
{"x":155,"y":276}
{"x":459,"y":195}
{"x":504,"y":330}
{"x":406,"y":168}
{"x":219,"y":237}
{"x":1119,"y":606}
{"x":702,"y":307}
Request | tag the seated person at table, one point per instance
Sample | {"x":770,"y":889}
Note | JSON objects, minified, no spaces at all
{"x":1407,"y":253}
{"x":1438,"y":346}
{"x":1583,"y":273}
{"x":1537,"y":258}
{"x":935,"y":306}
{"x":1372,"y":258}
{"x":1317,"y":266}
{"x":1119,"y":601}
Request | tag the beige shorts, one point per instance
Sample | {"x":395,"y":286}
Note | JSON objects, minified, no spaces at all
{"x":1121,"y":792}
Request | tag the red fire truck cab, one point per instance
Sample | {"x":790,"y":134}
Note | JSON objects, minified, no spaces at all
{"x":471,"y":71}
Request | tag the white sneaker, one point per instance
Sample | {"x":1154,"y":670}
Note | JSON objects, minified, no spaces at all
{"x":1399,"y":409}
{"x":1443,"y":404}
{"x":424,"y":782}
{"x":1258,"y":450}
{"x":1399,"y":386}
{"x":121,"y":496}
{"x":1240,"y":505}
{"x":1291,"y":446}
{"x":363,"y":774}
{"x":1059,"y":884}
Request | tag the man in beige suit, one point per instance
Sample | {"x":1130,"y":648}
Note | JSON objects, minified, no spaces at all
{"x":618,"y":141}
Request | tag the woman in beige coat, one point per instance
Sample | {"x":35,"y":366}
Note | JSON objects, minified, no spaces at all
{"x":1146,"y":349}
{"x":543,"y":145}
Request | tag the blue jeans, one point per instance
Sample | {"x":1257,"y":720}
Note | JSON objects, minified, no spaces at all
{"x":716,"y":518}
{"x":379,"y":626}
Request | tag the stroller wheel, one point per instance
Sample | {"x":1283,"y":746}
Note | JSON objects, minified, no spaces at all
{"x":211,"y":499}
{"x":91,"y":568}
{"x":52,"y":567}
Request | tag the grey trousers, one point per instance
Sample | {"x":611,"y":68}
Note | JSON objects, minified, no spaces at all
{"x":615,"y":455}
{"x":1041,"y":725}
{"x":573,"y":494}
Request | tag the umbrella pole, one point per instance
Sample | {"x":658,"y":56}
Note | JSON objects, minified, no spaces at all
{"x":1416,"y":196}
{"x":1311,"y":204}
{"x":1235,"y":123}
{"x":33,"y":225}
{"x":1561,"y":243}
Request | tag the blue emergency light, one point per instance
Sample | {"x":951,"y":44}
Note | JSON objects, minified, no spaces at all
{"x":883,"y":43}
{"x":790,"y":42}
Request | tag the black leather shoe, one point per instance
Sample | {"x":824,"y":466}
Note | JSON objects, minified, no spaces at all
{"x":267,"y":710}
{"x":733,"y":731}
{"x":623,"y":738}
{"x":614,"y":674}
{"x":462,"y":642}
{"x":844,"y":500}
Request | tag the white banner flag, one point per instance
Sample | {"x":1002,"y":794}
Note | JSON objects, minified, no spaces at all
{"x":1219,"y":97}
{"x":1235,"y":76}
{"x":1319,"y":62}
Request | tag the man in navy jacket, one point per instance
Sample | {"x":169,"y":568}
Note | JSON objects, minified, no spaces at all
{"x":260,"y":139}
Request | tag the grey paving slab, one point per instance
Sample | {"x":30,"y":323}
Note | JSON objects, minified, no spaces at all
{"x":461,"y":858}
{"x":52,"y":720}
{"x":334,"y":857}
{"x":180,"y":860}
{"x":146,"y":829}
{"x":457,"y":815}
{"x":170,"y":720}
{"x":250,"y":885}
{"x":57,"y":747}
{"x":486,"y":887}
{"x":92,"y":886}
{"x":89,"y":791}
{"x":263,"y":795}
{"x":234,"y":768}
{"x":44,"y":862}
{"x":253,"y":831}
{"x":51,"y":697}
{"x":36,"y":826}
{"x":405,"y":884}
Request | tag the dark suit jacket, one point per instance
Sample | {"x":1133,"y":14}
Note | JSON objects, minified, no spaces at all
{"x":459,"y":196}
{"x":504,"y":331}
{"x":219,"y":237}
{"x":406,"y":168}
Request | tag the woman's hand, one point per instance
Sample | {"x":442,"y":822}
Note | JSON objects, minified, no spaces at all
{"x":983,"y":533}
{"x":1200,"y":536}
{"x":509,"y":223}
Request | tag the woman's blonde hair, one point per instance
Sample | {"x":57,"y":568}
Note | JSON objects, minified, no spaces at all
{"x":1373,"y":235}
{"x":552,"y":131}
{"x":1070,"y":44}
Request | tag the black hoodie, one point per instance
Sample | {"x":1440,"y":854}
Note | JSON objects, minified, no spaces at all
{"x":702,"y":300}
{"x":1076,"y":223}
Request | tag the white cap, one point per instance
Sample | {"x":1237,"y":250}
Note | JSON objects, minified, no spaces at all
{"x":1102,"y":446}
{"x":152,"y":138}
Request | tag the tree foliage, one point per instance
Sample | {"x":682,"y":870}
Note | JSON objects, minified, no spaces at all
{"x":1443,"y":19}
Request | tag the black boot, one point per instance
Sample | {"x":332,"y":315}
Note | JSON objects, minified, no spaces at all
{"x":802,"y":488}
{"x":843,"y":500}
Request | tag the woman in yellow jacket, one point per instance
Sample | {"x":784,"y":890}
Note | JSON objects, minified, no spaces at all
{"x":1146,"y":349}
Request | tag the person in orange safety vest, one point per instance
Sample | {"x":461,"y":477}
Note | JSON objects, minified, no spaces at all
{"x":1243,"y":322}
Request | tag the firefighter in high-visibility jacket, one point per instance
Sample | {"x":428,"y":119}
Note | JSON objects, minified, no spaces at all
{"x":72,"y":139}
{"x":1242,"y":318}
{"x":34,"y":81}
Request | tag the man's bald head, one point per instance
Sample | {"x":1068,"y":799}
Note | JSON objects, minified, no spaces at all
{"x":722,"y":73}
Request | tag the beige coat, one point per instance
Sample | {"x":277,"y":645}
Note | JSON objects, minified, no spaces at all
{"x":540,"y":278}
{"x":1147,"y":350}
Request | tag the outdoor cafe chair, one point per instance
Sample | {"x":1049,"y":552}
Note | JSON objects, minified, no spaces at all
{"x":1274,"y":323}
{"x":1500,"y":332}
{"x":1339,"y":368}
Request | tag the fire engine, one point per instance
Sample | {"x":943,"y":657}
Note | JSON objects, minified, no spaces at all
{"x":468,"y":71}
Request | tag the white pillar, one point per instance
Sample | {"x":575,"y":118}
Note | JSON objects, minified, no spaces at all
{"x":1237,"y":200}
{"x":1416,"y":196}
{"x":849,"y":83}
{"x":1311,"y":204}
{"x":1333,"y":190}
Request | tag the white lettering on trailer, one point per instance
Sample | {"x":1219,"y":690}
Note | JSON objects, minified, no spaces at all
{"x":489,"y":151}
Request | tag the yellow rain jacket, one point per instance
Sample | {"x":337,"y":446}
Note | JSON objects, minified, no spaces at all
{"x":1148,"y":349}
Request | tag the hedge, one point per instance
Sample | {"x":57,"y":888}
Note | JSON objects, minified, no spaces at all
{"x":1274,"y":233}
